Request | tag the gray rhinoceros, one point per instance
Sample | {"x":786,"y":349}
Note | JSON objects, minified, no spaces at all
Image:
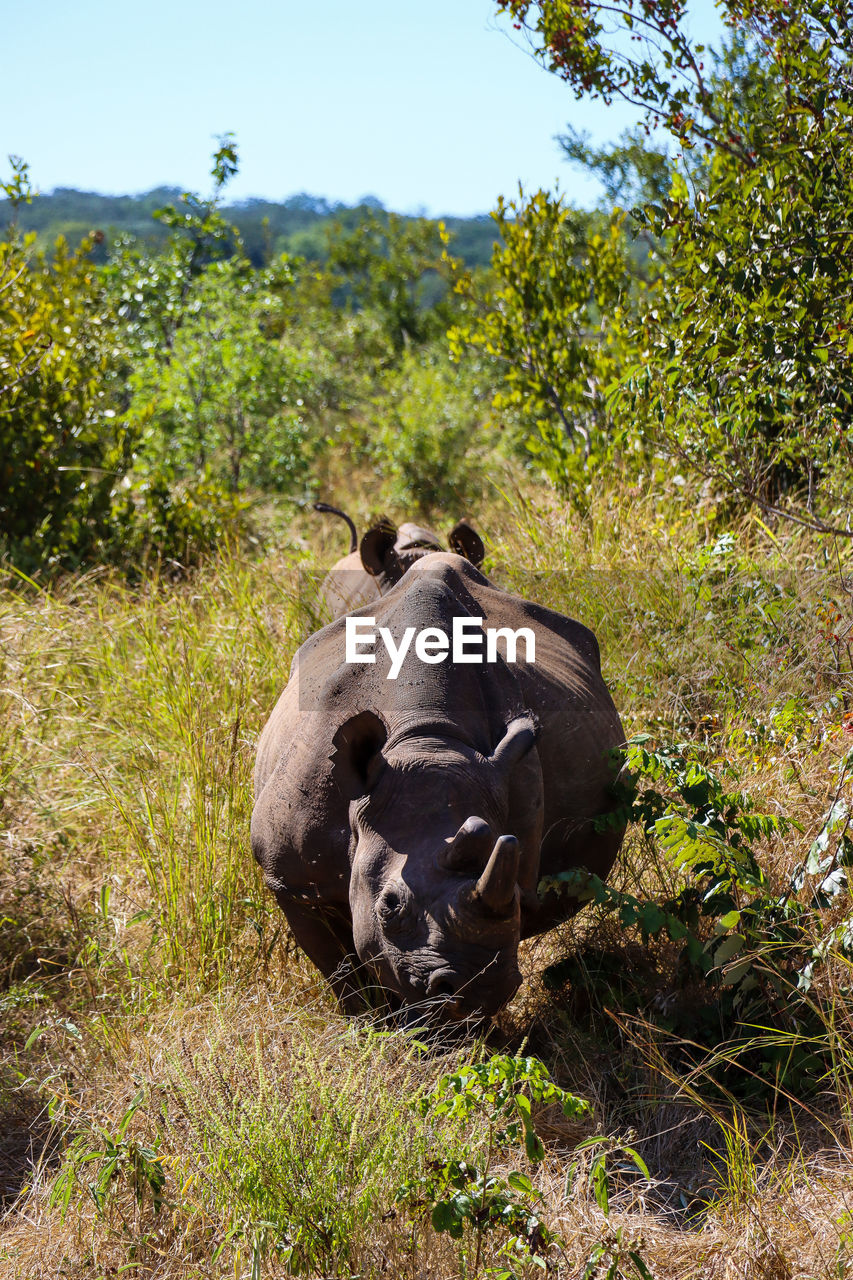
{"x":404,"y":824}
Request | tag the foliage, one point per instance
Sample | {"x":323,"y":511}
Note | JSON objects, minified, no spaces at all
{"x":460,"y":1194}
{"x":225,"y":399}
{"x":120,"y":1158}
{"x":432,"y":440}
{"x":592,"y":47}
{"x":63,"y":443}
{"x":551,"y":320}
{"x":755,"y":945}
{"x":18,"y":189}
{"x":631,"y":171}
{"x":216,"y":397}
{"x":751,"y":367}
{"x":79,"y":480}
{"x":155,"y":518}
{"x":197,"y":220}
{"x":150,"y":290}
{"x":385,"y":263}
{"x":744,"y":346}
{"x":244,"y":376}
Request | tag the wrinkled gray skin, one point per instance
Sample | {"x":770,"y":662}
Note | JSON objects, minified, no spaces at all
{"x":383,"y":556}
{"x":403,"y":826}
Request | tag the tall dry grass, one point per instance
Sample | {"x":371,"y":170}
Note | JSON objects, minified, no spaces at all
{"x":154,"y":1007}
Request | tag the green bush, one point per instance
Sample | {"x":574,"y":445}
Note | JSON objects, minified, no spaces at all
{"x":432,"y":445}
{"x":152,"y":519}
{"x":63,"y":439}
{"x":741,"y":347}
{"x":551,"y":318}
{"x":225,"y":398}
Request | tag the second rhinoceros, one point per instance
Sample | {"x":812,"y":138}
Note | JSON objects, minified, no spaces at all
{"x":404,"y":824}
{"x":379,"y":561}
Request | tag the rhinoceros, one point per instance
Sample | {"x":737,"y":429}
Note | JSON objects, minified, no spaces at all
{"x":384,"y":554}
{"x":404,"y":824}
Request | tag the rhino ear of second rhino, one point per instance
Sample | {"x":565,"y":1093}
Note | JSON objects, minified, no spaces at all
{"x":466,"y":541}
{"x":357,"y":761}
{"x":376,"y":546}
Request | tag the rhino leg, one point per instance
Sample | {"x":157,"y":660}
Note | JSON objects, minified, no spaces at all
{"x":325,"y":935}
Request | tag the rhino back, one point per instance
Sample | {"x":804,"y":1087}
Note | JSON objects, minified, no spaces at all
{"x":564,"y":689}
{"x":301,"y":822}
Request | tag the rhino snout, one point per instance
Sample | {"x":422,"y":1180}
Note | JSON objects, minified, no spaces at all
{"x":455,"y":998}
{"x":441,"y":992}
{"x":442,"y":984}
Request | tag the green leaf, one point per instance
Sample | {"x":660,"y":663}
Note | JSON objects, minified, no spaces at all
{"x":442,"y":1216}
{"x":33,"y":1036}
{"x":737,"y":972}
{"x":600,"y":1185}
{"x":533,"y":1146}
{"x":728,"y":948}
{"x":638,"y":1161}
{"x":640,"y":1266}
{"x":520,"y":1182}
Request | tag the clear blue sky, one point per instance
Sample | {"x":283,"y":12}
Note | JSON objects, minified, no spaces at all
{"x":427,"y":106}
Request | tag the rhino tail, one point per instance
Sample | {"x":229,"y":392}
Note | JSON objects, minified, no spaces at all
{"x":336,"y":511}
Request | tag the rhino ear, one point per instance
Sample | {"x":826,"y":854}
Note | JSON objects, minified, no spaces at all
{"x":466,"y":541}
{"x":358,"y":761}
{"x":376,"y":546}
{"x":518,"y":740}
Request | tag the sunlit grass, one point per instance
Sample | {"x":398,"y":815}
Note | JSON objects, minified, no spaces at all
{"x":141,"y":951}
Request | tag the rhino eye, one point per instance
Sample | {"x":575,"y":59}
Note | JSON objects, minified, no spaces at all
{"x":396,"y":910}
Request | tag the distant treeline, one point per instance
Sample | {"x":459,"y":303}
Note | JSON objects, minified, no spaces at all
{"x":298,"y":225}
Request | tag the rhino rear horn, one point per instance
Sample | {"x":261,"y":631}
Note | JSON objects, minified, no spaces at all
{"x":495,"y":889}
{"x":469,"y":848}
{"x":466,"y":541}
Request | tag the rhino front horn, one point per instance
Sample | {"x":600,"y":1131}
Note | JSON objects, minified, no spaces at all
{"x":495,"y":888}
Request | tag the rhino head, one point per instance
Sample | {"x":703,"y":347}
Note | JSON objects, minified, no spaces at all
{"x":387,"y":551}
{"x":436,"y":861}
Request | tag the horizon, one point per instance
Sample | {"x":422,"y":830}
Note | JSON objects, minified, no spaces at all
{"x":312,"y":200}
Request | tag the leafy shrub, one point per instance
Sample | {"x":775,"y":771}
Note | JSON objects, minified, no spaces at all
{"x":753,"y":943}
{"x":387,"y":264}
{"x":225,"y":399}
{"x":431,"y":445}
{"x":551,"y":320}
{"x":469,"y":1194}
{"x":153,"y":519}
{"x":468,"y":1197}
{"x":63,"y":441}
{"x":742,"y":343}
{"x":72,"y":488}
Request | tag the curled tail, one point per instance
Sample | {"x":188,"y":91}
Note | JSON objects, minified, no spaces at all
{"x":334,"y":511}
